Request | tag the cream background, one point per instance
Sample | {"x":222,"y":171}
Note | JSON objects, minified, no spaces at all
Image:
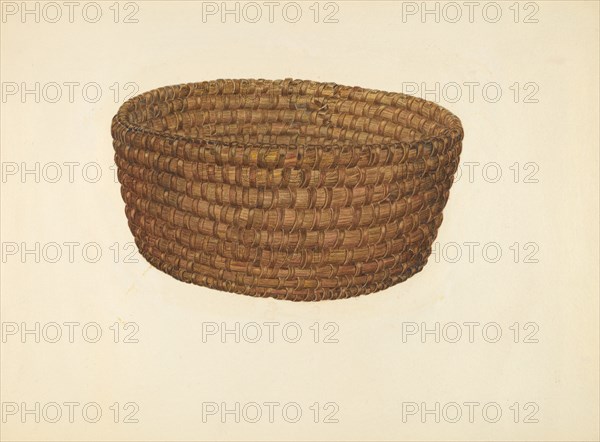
{"x":370,"y":372}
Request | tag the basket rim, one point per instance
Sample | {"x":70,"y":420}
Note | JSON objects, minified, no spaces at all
{"x":453,"y":132}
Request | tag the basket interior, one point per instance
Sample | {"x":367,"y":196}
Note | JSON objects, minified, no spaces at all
{"x":288,"y":112}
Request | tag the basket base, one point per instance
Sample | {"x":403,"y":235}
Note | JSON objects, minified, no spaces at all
{"x":158,"y":260}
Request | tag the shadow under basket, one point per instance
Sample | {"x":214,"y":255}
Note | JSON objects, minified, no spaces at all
{"x":289,"y":189}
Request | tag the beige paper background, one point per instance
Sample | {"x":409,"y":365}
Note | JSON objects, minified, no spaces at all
{"x":369,"y":372}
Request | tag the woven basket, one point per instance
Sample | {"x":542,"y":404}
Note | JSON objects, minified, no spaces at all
{"x":288,"y":189}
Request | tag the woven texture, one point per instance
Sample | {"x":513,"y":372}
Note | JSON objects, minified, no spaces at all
{"x":289,"y":189}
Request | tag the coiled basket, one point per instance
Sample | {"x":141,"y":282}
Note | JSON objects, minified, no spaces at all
{"x":289,"y":189}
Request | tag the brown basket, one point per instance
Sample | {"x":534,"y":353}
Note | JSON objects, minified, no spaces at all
{"x":291,"y":189}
